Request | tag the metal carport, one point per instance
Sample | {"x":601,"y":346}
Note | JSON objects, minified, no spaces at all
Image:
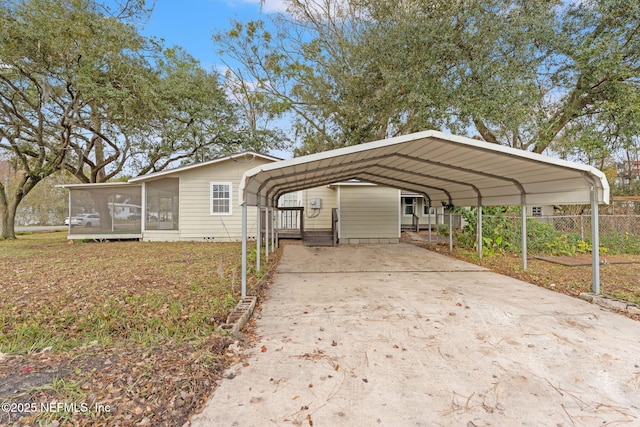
{"x":446,"y":168}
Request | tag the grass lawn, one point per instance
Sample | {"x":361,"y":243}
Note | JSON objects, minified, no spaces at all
{"x":116,"y":333}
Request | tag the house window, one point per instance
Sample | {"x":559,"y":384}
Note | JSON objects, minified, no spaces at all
{"x":536,"y":210}
{"x":408,"y":205}
{"x":220,"y":198}
{"x":426,"y":210}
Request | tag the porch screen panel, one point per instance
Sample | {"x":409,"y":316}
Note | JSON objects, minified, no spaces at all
{"x":162,"y":204}
{"x":105,"y":211}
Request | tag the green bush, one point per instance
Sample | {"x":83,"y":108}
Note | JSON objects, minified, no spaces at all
{"x":501,"y":233}
{"x":621,"y":243}
{"x":539,"y":234}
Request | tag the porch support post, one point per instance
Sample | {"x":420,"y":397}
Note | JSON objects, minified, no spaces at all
{"x":69,"y":231}
{"x":266,"y":240}
{"x":523,"y":207}
{"x":595,"y":240}
{"x":450,"y":231}
{"x":143,"y":208}
{"x":258,"y":236}
{"x":244,"y":249}
{"x":479,"y":228}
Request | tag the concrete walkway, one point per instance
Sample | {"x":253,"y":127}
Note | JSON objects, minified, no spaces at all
{"x":394,"y":335}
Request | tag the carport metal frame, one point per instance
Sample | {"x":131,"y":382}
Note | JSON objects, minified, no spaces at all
{"x":453,"y":169}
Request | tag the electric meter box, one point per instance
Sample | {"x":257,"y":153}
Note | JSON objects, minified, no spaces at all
{"x":315,"y":203}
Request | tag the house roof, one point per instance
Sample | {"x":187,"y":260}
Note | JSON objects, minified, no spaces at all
{"x":245,"y":157}
{"x":443,"y":167}
{"x":95,"y":185}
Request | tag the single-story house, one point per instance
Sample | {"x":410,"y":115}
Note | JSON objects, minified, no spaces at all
{"x":200,"y":203}
{"x":361,"y":186}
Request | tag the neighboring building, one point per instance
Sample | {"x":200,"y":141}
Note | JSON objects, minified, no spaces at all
{"x":200,"y":202}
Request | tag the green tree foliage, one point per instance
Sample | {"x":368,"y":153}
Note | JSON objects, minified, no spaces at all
{"x":513,"y":72}
{"x":82,"y":90}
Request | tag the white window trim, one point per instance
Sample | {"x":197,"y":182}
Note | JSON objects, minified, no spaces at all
{"x":211,"y":212}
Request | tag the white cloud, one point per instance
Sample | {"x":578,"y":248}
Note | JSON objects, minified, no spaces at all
{"x":270,"y":6}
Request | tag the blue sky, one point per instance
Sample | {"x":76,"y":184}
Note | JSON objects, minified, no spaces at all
{"x":190,"y":23}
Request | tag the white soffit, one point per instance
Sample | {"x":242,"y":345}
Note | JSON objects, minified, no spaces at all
{"x":444,"y":168}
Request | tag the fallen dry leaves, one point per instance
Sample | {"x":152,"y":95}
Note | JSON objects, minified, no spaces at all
{"x":113,"y":334}
{"x":619,"y":280}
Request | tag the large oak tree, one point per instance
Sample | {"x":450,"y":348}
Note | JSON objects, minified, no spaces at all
{"x":528,"y":74}
{"x":82,"y":90}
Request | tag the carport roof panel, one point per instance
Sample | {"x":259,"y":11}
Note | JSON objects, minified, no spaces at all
{"x":444,"y":167}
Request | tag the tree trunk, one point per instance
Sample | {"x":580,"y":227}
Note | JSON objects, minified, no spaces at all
{"x":9,"y":203}
{"x":7,"y":218}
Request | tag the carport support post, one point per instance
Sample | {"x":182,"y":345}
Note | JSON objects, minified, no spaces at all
{"x":450,"y":231}
{"x":429,"y":220}
{"x":523,"y":206}
{"x":274,"y":226}
{"x":595,"y":240}
{"x":479,"y":227}
{"x":244,"y":249}
{"x":258,"y":237}
{"x":266,"y":237}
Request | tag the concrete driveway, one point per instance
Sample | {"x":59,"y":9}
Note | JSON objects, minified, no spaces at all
{"x":395,"y":335}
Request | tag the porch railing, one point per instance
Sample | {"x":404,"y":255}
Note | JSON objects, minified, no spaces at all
{"x":291,"y":221}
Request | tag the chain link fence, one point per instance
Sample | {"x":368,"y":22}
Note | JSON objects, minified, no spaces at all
{"x":608,"y":224}
{"x":618,"y":233}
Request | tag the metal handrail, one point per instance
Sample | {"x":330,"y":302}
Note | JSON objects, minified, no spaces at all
{"x":415,"y":222}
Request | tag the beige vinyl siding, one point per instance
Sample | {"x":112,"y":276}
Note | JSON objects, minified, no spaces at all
{"x":319,"y":218}
{"x":196,"y":221}
{"x":369,"y":214}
